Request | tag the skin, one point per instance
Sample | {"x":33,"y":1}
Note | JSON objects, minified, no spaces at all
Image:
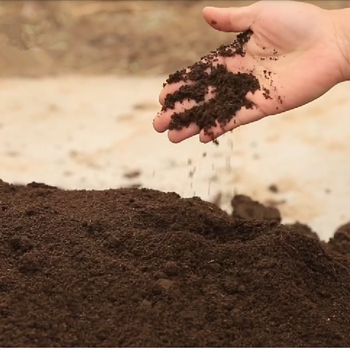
{"x":310,"y":49}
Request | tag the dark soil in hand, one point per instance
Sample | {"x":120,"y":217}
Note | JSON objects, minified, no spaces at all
{"x":142,"y":268}
{"x":229,"y":89}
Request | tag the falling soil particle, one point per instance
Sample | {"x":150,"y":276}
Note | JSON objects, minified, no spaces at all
{"x":142,"y":268}
{"x":191,"y":173}
{"x":226,"y":86}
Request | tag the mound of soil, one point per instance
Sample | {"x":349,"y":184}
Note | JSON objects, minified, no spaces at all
{"x":208,"y":75}
{"x":137,"y":267}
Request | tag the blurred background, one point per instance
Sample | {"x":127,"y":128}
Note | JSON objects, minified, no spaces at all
{"x":79,"y":85}
{"x":109,"y":37}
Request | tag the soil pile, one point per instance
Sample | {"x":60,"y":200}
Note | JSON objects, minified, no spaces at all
{"x":133,"y":267}
{"x":209,"y":75}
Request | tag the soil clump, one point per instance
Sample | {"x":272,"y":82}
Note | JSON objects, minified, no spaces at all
{"x":142,"y":268}
{"x":210,"y":76}
{"x":245,"y":208}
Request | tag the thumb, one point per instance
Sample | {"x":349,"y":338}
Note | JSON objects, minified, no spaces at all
{"x":231,"y":19}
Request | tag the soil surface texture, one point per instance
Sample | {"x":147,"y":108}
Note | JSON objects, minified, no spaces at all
{"x":138,"y":267}
{"x":210,"y":76}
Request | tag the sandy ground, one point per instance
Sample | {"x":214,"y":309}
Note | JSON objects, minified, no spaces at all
{"x":139,"y":38}
{"x":96,"y":132}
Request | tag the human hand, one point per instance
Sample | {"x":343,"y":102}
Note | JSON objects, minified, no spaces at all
{"x":300,"y":44}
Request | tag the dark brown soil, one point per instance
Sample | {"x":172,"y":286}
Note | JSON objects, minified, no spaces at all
{"x":341,"y":240}
{"x":206,"y":75}
{"x":245,"y":208}
{"x":133,"y":267}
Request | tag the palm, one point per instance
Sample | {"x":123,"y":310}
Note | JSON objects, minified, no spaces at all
{"x":304,"y":49}
{"x":292,"y":58}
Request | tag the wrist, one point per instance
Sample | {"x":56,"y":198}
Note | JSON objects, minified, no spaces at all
{"x":341,"y":23}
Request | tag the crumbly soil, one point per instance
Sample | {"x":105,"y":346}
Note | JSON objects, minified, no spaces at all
{"x":210,"y":76}
{"x":142,"y":268}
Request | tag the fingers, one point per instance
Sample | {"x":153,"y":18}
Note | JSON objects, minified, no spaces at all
{"x":243,"y":116}
{"x":229,"y":19}
{"x":177,"y":136}
{"x":162,"y":120}
{"x":171,"y":88}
